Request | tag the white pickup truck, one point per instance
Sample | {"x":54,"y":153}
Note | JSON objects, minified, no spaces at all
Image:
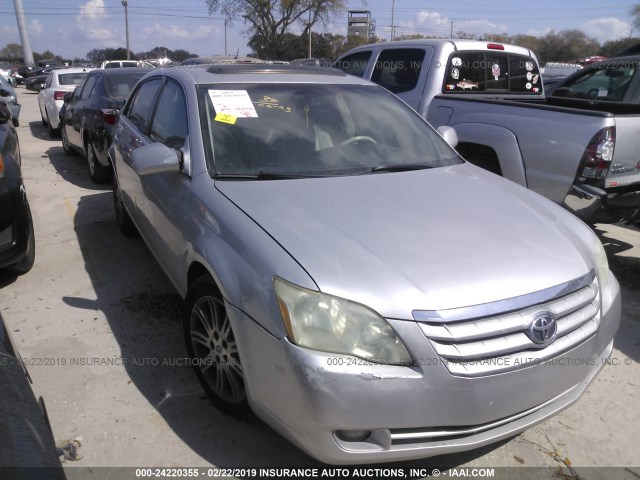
{"x":578,"y":152}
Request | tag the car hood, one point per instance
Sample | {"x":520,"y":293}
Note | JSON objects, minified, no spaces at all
{"x":421,"y":240}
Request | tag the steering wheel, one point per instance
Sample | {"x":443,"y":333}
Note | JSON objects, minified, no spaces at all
{"x":358,"y":138}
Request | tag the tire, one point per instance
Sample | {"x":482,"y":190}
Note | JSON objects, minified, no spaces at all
{"x":98,"y":172}
{"x":16,"y":122}
{"x":24,"y":265}
{"x":66,"y":146}
{"x":125,"y":224}
{"x":212,"y":347}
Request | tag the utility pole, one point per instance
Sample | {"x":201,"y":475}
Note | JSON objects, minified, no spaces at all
{"x":125,"y":4}
{"x":309,"y":33}
{"x":451,"y":22}
{"x":225,"y":37}
{"x":393,"y":20}
{"x":24,"y":35}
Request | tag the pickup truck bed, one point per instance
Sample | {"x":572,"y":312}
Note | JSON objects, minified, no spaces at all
{"x":578,"y":152}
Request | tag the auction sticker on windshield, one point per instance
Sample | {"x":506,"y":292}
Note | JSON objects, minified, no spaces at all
{"x":236,"y":103}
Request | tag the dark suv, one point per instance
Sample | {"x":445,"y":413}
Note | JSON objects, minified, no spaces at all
{"x":17,"y":242}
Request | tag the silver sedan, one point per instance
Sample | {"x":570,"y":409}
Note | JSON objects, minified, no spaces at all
{"x":347,"y":276}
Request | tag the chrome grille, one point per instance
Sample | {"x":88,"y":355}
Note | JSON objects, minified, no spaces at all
{"x":473,"y":347}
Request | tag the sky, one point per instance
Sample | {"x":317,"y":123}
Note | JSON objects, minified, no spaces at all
{"x":71,"y":28}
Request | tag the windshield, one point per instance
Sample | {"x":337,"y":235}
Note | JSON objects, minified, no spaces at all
{"x":604,"y":81}
{"x":71,"y":78}
{"x":121,"y":85}
{"x":491,"y":72}
{"x":314,"y":129}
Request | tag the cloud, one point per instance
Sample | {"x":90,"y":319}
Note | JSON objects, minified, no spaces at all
{"x":432,"y":18}
{"x":604,"y":29}
{"x":35,"y":27}
{"x":175,"y":31}
{"x":439,"y":24}
{"x":92,"y":10}
{"x":90,"y":21}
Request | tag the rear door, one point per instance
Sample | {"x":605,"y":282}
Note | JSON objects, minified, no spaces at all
{"x":78,"y":111}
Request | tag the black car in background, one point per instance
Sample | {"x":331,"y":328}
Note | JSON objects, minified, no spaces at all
{"x":89,"y":114}
{"x":17,"y":242}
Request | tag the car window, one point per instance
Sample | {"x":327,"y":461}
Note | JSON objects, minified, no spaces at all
{"x":398,"y":70}
{"x":355,"y":64}
{"x":71,"y":78}
{"x":121,"y":85}
{"x":488,"y":72}
{"x":315,"y":130}
{"x":607,"y":81}
{"x":88,"y":86}
{"x":141,"y":104}
{"x":47,"y":83}
{"x":169,"y":124}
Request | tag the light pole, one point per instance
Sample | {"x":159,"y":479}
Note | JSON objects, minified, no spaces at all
{"x":393,"y":20}
{"x":309,"y":33}
{"x":125,"y":4}
{"x":451,"y":22}
{"x":225,"y":38}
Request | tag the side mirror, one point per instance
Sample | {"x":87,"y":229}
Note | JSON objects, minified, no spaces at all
{"x":155,"y":158}
{"x":67,"y":97}
{"x":449,"y":134}
{"x":4,"y":93}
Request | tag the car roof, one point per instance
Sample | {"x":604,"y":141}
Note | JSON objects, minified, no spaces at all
{"x":60,"y":71}
{"x":110,"y":72}
{"x":258,"y":73}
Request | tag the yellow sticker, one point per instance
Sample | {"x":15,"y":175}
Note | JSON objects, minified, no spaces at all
{"x":225,"y":118}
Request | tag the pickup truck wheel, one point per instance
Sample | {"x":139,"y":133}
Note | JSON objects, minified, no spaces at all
{"x":125,"y":224}
{"x":99,"y":173}
{"x":212,"y":347}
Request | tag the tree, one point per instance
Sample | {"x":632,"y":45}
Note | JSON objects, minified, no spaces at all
{"x":98,"y":55}
{"x":12,"y":51}
{"x":635,"y":13}
{"x":614,"y":47}
{"x":270,"y":21}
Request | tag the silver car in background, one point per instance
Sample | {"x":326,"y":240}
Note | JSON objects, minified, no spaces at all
{"x":364,"y":290}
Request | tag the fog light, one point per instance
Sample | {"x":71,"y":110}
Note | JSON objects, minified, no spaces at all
{"x":353,"y":435}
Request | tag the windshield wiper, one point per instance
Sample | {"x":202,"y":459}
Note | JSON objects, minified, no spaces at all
{"x":259,"y":176}
{"x":400,"y":167}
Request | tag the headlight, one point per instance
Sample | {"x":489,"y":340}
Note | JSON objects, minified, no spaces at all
{"x":602,"y":264}
{"x":331,"y":324}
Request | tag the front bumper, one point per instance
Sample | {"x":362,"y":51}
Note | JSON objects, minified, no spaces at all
{"x":324,"y":402}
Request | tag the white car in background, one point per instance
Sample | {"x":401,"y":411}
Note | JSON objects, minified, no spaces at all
{"x":51,"y":97}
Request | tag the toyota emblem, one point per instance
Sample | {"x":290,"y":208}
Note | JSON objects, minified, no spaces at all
{"x":543,"y":328}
